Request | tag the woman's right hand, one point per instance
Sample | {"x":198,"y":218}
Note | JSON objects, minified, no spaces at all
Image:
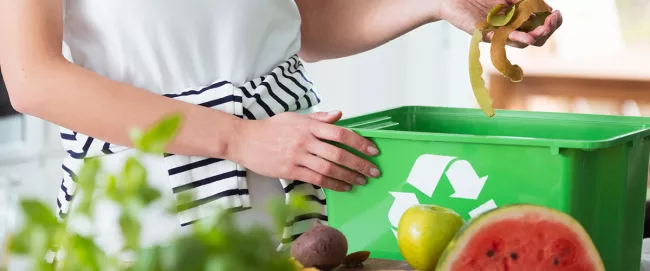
{"x":290,"y":146}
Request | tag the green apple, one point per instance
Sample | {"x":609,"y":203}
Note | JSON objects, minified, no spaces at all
{"x":424,"y":232}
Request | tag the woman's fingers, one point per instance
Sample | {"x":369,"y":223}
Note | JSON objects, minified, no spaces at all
{"x":517,"y":37}
{"x":542,"y":33}
{"x":551,"y":24}
{"x":554,"y":21}
{"x":313,"y":177}
{"x":516,"y":44}
{"x":342,"y":157}
{"x":328,"y":117}
{"x":537,"y":37}
{"x":344,"y":136}
{"x":332,"y":170}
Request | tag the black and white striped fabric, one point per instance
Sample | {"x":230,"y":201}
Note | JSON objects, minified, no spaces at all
{"x":216,"y":182}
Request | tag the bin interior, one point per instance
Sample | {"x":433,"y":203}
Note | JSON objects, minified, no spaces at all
{"x":506,"y":124}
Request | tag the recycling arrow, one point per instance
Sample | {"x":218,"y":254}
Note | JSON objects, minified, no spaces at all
{"x":425,"y":176}
{"x":464,"y":180}
{"x":402,"y":202}
{"x":482,"y":209}
{"x":426,"y":172}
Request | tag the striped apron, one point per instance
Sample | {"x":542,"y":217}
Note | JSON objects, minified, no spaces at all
{"x":216,"y":182}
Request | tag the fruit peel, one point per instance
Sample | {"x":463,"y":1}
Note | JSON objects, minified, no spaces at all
{"x":458,"y":246}
{"x":494,"y":17}
{"x":525,"y":15}
{"x":475,"y":75}
{"x":356,"y":259}
{"x":498,"y":55}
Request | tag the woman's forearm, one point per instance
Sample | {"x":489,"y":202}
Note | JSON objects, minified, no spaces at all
{"x":83,"y":101}
{"x":339,"y":28}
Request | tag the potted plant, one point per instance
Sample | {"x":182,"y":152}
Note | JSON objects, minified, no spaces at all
{"x":214,"y":244}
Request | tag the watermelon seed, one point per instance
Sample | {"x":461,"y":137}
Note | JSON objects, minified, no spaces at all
{"x":556,"y":261}
{"x":514,"y":256}
{"x":490,"y":253}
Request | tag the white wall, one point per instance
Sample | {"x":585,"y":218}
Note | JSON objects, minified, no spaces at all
{"x":425,"y":67}
{"x":32,"y":156}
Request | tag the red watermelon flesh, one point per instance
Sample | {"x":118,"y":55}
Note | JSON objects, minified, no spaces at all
{"x":522,"y":238}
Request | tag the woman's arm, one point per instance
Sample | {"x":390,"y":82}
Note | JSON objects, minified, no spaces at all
{"x":339,"y":28}
{"x":42,"y":83}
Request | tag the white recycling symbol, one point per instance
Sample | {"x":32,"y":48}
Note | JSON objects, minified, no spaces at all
{"x":425,"y":176}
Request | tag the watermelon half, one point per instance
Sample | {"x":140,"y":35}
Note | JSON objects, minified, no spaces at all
{"x":521,"y":237}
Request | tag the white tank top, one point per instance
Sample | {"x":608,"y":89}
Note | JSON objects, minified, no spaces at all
{"x":166,"y":46}
{"x":169,"y":45}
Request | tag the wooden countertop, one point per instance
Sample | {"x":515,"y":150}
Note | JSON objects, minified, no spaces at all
{"x":379,"y":265}
{"x":369,"y":265}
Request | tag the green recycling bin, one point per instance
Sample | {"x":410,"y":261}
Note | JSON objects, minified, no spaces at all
{"x":593,"y":167}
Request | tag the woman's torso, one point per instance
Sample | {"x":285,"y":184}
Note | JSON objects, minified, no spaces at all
{"x":167,"y":46}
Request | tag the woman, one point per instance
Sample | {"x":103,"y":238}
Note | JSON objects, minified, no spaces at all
{"x":100,"y":68}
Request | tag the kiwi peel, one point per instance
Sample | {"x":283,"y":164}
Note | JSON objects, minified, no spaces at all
{"x":495,"y":18}
{"x":356,"y":259}
{"x":526,"y":15}
{"x":535,"y":20}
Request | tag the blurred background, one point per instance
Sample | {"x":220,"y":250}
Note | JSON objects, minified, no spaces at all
{"x":598,"y":62}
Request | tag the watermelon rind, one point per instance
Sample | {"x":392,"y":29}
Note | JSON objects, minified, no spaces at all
{"x":456,"y":247}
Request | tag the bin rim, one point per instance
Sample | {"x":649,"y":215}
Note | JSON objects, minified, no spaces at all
{"x":641,"y":133}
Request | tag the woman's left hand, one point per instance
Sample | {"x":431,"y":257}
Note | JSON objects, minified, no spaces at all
{"x":465,"y":14}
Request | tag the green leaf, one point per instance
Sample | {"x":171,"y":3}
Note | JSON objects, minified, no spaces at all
{"x":299,"y":203}
{"x":136,"y":135}
{"x":86,"y":253}
{"x":169,"y":259}
{"x":19,"y":242}
{"x":217,"y":263}
{"x":38,"y":243}
{"x":130,"y":228}
{"x":86,"y":205}
{"x":155,"y":139}
{"x":42,"y":265}
{"x":192,"y":253}
{"x":132,"y":205}
{"x":87,"y":179}
{"x":183,"y":198}
{"x":215,"y":239}
{"x":38,"y":213}
{"x":88,"y":174}
{"x":280,"y":211}
{"x":148,"y":259}
{"x":112,"y":190}
{"x":135,"y":175}
{"x":149,"y":195}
